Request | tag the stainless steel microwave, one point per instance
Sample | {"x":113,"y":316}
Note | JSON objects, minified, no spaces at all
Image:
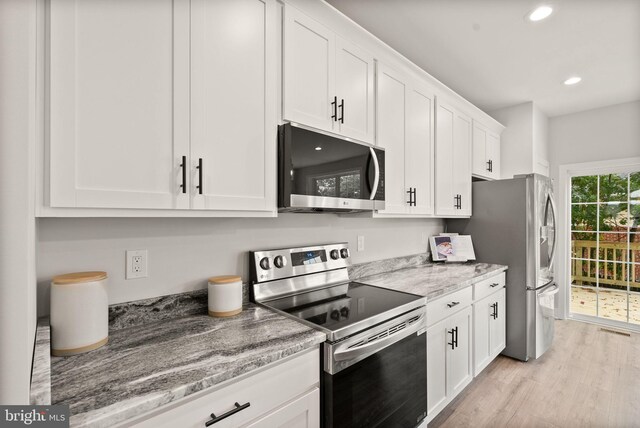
{"x":319,"y":173}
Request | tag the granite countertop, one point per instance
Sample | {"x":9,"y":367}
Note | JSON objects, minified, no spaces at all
{"x":147,"y":366}
{"x":433,"y":280}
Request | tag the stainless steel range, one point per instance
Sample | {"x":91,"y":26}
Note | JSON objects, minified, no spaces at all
{"x":374,"y":359}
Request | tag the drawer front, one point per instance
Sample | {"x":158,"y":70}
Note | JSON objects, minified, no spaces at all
{"x":448,"y":305}
{"x":488,"y":286}
{"x":264,"y":391}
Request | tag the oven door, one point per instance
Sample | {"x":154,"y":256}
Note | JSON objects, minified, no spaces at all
{"x":386,"y":388}
{"x":318,"y":172}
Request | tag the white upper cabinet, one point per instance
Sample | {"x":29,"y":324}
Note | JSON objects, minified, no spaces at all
{"x":405,"y":131}
{"x":392,"y":90}
{"x":309,"y":71}
{"x":453,"y":161}
{"x":328,"y":81}
{"x":233,"y":85}
{"x":177,"y":109}
{"x":419,"y":152}
{"x":118,"y":103}
{"x":354,"y":90}
{"x":486,"y":152}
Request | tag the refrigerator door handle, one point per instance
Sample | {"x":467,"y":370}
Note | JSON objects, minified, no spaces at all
{"x":541,"y":287}
{"x":551,"y":291}
{"x":552,"y":256}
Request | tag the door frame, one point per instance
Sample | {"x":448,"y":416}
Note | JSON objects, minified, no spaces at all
{"x":566,"y":172}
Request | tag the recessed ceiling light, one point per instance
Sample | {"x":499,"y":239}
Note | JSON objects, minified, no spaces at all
{"x":318,"y":148}
{"x":540,"y":13}
{"x":572,"y":80}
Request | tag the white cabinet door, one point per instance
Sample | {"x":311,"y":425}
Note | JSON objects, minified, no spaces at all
{"x":445,"y":195}
{"x":459,"y":370}
{"x":303,"y":412}
{"x":419,"y":150}
{"x":461,"y":169}
{"x":354,"y":88}
{"x":309,"y":71}
{"x":486,"y":152}
{"x":480,"y":161}
{"x":497,"y":328}
{"x":437,"y":344}
{"x":493,"y":154}
{"x":233,"y":104}
{"x":119,"y":103}
{"x":453,"y":161}
{"x":391,"y":90}
{"x":482,"y":311}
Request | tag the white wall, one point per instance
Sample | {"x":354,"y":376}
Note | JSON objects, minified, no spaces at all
{"x":183,"y":252}
{"x":516,"y":141}
{"x":540,"y":141}
{"x":595,"y":135}
{"x":17,"y":222}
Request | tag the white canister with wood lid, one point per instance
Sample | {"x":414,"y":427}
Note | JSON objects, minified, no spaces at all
{"x":225,"y":295}
{"x":79,"y":313}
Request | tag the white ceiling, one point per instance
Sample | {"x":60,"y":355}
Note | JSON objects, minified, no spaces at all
{"x":486,"y":51}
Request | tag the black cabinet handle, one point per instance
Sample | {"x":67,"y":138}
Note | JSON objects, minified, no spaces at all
{"x":342,"y":111}
{"x":456,"y":340}
{"x":183,"y":165}
{"x":415,"y":197}
{"x":199,"y":168}
{"x":452,"y":304}
{"x":412,"y":196}
{"x":334,"y":106}
{"x":495,"y":284}
{"x":453,"y":340}
{"x":490,"y":165}
{"x":233,"y":411}
{"x":496,"y":317}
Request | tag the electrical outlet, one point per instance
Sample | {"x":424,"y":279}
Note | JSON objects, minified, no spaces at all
{"x":360,"y":243}
{"x":136,"y":266}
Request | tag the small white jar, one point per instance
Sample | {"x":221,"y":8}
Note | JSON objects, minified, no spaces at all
{"x":225,"y":296}
{"x":79,"y":314}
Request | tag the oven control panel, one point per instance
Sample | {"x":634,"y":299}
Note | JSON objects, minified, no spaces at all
{"x":283,"y":263}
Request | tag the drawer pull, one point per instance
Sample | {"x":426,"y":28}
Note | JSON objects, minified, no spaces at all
{"x":452,"y":304}
{"x":215,"y":418}
{"x":495,"y":284}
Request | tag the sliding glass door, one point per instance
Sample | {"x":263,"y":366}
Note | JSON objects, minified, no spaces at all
{"x":605,"y":247}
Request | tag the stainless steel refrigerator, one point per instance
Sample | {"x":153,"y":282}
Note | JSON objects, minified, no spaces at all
{"x":513,"y":223}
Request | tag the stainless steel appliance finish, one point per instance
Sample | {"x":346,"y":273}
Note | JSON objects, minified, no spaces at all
{"x":321,"y":173}
{"x":514,"y":223}
{"x":374,"y":359}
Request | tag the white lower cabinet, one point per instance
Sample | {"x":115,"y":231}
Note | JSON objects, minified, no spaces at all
{"x":465,"y":332}
{"x":284,"y":395}
{"x":449,"y":345}
{"x":489,"y":329}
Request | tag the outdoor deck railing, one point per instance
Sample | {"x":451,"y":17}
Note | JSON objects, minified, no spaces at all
{"x":587,"y":265}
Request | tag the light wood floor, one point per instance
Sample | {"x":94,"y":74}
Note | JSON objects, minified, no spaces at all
{"x":589,"y":378}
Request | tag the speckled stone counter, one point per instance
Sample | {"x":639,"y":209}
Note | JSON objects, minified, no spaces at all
{"x":433,"y":280}
{"x":149,"y":365}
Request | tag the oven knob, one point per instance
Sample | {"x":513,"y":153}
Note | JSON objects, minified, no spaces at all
{"x":280,"y":262}
{"x":335,"y":314}
{"x":264,"y":263}
{"x":344,"y":253}
{"x":344,"y":312}
{"x":335,"y":254}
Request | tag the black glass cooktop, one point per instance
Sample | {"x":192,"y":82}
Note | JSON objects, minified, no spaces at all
{"x":346,"y":305}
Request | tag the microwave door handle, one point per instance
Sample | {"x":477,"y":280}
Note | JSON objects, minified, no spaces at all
{"x":376,"y":178}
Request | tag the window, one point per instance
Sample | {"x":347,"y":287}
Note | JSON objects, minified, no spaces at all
{"x":342,"y":185}
{"x":605,"y":246}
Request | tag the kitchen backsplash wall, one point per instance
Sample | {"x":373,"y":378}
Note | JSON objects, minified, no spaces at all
{"x":184,"y":252}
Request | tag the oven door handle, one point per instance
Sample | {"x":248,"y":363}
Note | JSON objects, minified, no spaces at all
{"x":376,"y":178}
{"x":379,"y":344}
